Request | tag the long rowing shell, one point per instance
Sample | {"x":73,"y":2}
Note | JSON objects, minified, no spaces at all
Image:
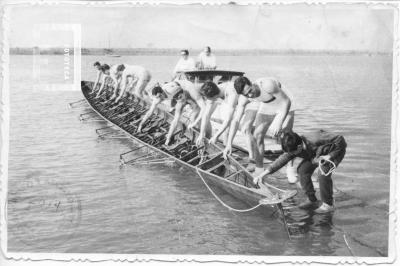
{"x":206,"y":161}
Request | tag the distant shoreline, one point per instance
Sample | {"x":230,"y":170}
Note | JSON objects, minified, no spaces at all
{"x":175,"y":51}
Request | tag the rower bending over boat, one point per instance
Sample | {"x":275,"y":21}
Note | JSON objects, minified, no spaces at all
{"x":264,"y":104}
{"x":158,"y":95}
{"x":109,"y":74}
{"x":212,"y":92}
{"x":97,"y":66}
{"x":187,"y":94}
{"x":134,"y":80}
{"x":319,"y":150}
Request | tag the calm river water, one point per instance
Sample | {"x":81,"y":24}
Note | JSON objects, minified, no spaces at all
{"x":63,"y":179}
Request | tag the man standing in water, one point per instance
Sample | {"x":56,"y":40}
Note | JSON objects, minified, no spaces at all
{"x":322,"y":150}
{"x":97,"y":66}
{"x":206,"y":60}
{"x":134,"y":80}
{"x":264,"y":104}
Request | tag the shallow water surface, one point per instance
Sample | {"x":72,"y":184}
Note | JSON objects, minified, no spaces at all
{"x":67,"y":192}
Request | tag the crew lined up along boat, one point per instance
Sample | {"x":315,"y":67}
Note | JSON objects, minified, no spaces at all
{"x":206,"y":160}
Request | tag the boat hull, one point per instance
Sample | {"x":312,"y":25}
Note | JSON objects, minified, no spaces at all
{"x":229,"y":175}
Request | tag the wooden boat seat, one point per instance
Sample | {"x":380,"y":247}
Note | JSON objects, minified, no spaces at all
{"x":191,"y":153}
{"x":191,"y":161}
{"x":215,"y":166}
{"x":203,"y":164}
{"x":233,"y":174}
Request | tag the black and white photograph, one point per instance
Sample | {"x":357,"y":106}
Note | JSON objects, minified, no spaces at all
{"x":230,"y":132}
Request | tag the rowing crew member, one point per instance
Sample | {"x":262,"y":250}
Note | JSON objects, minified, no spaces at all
{"x":160,"y":94}
{"x":187,"y":95}
{"x":134,"y":80}
{"x":319,"y":150}
{"x":212,"y":92}
{"x":264,"y":104}
{"x":109,"y":73}
{"x":97,"y":66}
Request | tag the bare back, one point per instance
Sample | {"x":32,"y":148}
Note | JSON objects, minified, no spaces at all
{"x":134,"y":71}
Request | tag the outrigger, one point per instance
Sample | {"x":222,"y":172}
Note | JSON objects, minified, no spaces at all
{"x":206,"y":161}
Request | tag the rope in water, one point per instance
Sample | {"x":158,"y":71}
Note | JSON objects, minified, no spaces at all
{"x":347,"y":244}
{"x":221,"y":201}
{"x":344,"y":233}
{"x":258,"y":205}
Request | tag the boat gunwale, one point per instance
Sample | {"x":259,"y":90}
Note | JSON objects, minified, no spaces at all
{"x":255,"y":191}
{"x":211,"y":71}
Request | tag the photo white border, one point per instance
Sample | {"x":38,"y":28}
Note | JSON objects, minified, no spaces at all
{"x":4,"y":136}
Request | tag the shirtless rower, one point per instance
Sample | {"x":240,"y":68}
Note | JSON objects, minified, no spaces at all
{"x":134,"y":80}
{"x":265,"y":103}
{"x":97,"y":66}
{"x":158,"y":94}
{"x":212,"y":92}
{"x":109,"y":73}
{"x":187,"y":94}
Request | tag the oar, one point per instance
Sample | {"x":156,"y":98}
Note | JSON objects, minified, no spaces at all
{"x":279,"y":205}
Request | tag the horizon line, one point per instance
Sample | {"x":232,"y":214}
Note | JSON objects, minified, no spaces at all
{"x":86,"y":50}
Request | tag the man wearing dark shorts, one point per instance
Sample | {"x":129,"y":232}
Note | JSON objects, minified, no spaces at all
{"x":319,"y":150}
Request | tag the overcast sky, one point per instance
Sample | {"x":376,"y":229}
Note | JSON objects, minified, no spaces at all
{"x":309,"y":27}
